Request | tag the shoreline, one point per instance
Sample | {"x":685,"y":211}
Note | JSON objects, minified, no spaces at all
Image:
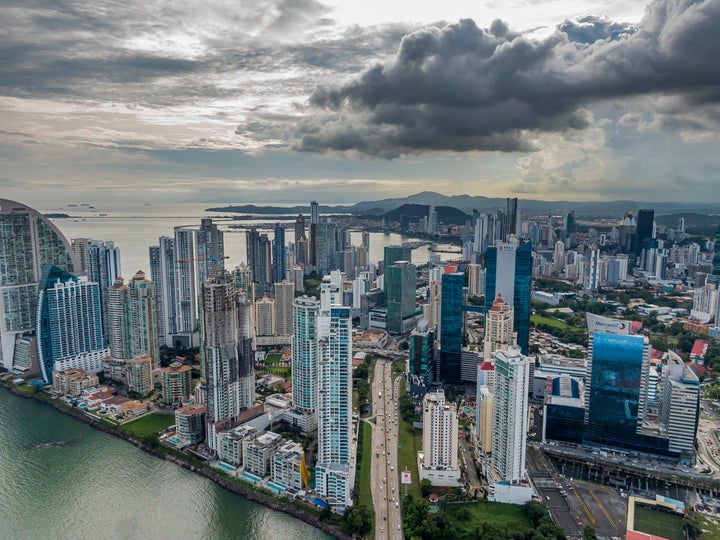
{"x":247,"y":492}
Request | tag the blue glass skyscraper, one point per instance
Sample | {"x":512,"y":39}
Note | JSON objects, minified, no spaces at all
{"x":452,"y":327}
{"x":509,"y":272}
{"x":69,"y":325}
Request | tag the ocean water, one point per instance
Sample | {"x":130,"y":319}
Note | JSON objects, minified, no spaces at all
{"x":134,"y":228}
{"x":96,"y":486}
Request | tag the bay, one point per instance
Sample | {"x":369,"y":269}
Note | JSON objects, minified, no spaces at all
{"x":96,"y":486}
{"x":134,"y":228}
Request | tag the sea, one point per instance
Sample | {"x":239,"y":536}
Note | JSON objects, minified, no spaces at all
{"x":61,"y":479}
{"x":136,"y":227}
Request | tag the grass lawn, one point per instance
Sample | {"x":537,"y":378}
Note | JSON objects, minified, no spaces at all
{"x":710,"y":528}
{"x":398,"y":367}
{"x":149,"y":424}
{"x":283,"y":372}
{"x":364,"y":496}
{"x":272,"y":359}
{"x":657,"y":522}
{"x":470,"y":516}
{"x":555,"y":323}
{"x":26,"y":388}
{"x":410,"y":444}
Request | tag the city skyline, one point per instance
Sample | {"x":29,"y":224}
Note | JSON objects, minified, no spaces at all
{"x":209,"y":103}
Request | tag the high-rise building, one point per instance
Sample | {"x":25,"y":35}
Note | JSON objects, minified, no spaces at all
{"x":440,"y":440}
{"x":483,"y":418}
{"x":228,"y":350}
{"x":101,"y":261}
{"x":400,"y":293}
{"x":69,"y":325}
{"x":476,"y":280}
{"x":265,"y":316}
{"x":616,"y":382}
{"x":242,"y":277}
{"x":299,"y":228}
{"x":138,"y":375}
{"x":28,"y":242}
{"x":680,"y":407}
{"x":314,"y":212}
{"x":284,"y":296}
{"x":645,"y":227}
{"x":162,"y":273}
{"x":185,"y":283}
{"x":210,"y":250}
{"x":143,"y":318}
{"x":510,"y":406}
{"x":278,"y":256}
{"x":499,"y":332}
{"x":259,"y":257}
{"x":509,"y":272}
{"x":393,"y":254}
{"x":512,"y":216}
{"x":176,"y":381}
{"x":422,"y":353}
{"x":132,"y":316}
{"x":334,"y":470}
{"x":305,"y":355}
{"x":118,"y":320}
{"x":452,"y":327}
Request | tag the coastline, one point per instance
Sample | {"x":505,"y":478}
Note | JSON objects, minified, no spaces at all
{"x":247,"y":492}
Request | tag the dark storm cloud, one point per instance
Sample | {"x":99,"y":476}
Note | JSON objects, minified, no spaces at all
{"x":461,"y":87}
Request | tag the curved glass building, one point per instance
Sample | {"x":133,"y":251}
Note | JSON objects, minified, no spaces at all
{"x":28,"y":242}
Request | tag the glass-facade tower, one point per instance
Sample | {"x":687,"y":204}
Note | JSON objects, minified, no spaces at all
{"x":509,"y":272}
{"x":452,"y":327}
{"x":28,"y":241}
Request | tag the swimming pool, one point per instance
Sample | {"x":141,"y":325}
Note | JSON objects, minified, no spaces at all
{"x":277,"y":487}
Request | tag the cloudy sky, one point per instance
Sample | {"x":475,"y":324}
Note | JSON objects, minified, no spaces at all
{"x":288,"y":100}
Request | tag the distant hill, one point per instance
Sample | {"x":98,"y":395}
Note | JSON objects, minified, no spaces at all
{"x":414,"y":212}
{"x":468,"y":203}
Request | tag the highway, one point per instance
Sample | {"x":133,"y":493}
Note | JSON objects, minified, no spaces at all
{"x":384,"y":481}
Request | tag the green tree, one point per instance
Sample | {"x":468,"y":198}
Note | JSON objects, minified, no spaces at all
{"x":358,"y":520}
{"x":425,"y":487}
{"x":589,"y":533}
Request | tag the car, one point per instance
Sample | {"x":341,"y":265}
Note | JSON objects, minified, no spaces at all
{"x":382,"y":529}
{"x":384,"y":518}
{"x":397,"y":505}
{"x":399,"y":527}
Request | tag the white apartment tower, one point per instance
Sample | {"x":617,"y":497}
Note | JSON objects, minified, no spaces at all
{"x":440,"y":432}
{"x":335,"y":460}
{"x":510,"y":410}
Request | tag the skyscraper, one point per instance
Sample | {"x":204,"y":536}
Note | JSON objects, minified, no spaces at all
{"x":265,"y":316}
{"x":259,"y":258}
{"x":210,"y":250}
{"x":616,"y":385}
{"x":440,"y":433}
{"x":334,"y":471}
{"x":498,"y":328}
{"x":28,"y":242}
{"x":393,"y":254}
{"x":645,"y":226}
{"x":314,"y":212}
{"x":510,"y":405}
{"x":452,"y":327}
{"x":186,"y":280}
{"x":103,"y":260}
{"x":162,"y":273}
{"x":69,"y":325}
{"x":228,"y":350}
{"x":278,"y":256}
{"x":422,"y":353}
{"x":284,"y":296}
{"x":508,"y":272}
{"x":680,"y":407}
{"x":142,"y":319}
{"x":400,"y":290}
{"x":305,"y":354}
